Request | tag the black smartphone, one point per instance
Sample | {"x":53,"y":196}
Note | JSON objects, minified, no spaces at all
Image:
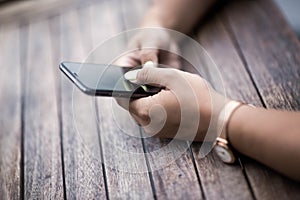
{"x":105,"y":80}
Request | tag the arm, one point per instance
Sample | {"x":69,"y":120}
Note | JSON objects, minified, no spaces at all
{"x":269,"y":136}
{"x":180,"y":15}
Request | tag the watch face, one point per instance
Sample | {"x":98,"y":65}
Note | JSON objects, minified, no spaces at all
{"x":225,"y":154}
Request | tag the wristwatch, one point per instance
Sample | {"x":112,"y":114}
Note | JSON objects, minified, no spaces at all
{"x":221,"y":146}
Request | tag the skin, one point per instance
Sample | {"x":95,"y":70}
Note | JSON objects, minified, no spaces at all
{"x":269,"y":136}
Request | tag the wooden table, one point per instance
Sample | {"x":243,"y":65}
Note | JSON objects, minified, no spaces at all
{"x":45,"y":154}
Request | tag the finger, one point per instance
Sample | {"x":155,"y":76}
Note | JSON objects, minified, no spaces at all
{"x":174,"y":48}
{"x":134,"y":43}
{"x":149,"y":55}
{"x":128,"y":60}
{"x":139,"y":108}
{"x":124,"y":103}
{"x":136,"y":119}
{"x":171,"y":57}
{"x":156,"y":76}
{"x":151,"y":113}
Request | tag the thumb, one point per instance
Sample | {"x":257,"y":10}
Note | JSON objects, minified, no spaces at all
{"x":156,"y":76}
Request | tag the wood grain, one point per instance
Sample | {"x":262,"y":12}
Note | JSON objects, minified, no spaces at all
{"x":172,"y":168}
{"x":42,"y":161}
{"x":123,"y":155}
{"x":82,"y":154}
{"x":10,"y":117}
{"x":258,"y":58}
{"x":271,"y":54}
{"x":219,"y":180}
{"x":35,"y":11}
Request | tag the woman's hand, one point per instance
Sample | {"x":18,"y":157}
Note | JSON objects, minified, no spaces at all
{"x":185,"y":107}
{"x":151,"y":44}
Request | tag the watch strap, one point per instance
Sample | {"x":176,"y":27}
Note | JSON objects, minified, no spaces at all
{"x":222,"y":128}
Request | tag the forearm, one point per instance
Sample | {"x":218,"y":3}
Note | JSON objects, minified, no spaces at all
{"x":180,"y":15}
{"x":269,"y":136}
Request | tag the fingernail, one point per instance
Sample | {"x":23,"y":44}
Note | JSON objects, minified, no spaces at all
{"x":131,"y":75}
{"x":149,"y":64}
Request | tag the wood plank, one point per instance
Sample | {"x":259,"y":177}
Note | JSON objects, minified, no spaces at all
{"x":123,"y":155}
{"x":171,"y":165}
{"x":82,"y":154}
{"x":42,"y":161}
{"x":172,"y":169}
{"x":83,"y":16}
{"x":10,"y":106}
{"x":272,"y":57}
{"x":20,"y":11}
{"x":219,"y":180}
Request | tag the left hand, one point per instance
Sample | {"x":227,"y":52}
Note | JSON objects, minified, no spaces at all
{"x":154,"y":45}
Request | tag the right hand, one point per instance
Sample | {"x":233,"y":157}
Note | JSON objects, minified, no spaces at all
{"x":151,"y":44}
{"x":188,"y":102}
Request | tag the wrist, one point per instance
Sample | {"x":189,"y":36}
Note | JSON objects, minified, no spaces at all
{"x":222,"y":146}
{"x":158,"y":17}
{"x":236,"y":127}
{"x":223,"y":143}
{"x":153,"y":19}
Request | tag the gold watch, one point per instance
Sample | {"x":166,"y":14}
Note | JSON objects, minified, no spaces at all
{"x":221,"y":146}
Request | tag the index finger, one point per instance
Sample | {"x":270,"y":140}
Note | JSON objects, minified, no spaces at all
{"x":140,"y":107}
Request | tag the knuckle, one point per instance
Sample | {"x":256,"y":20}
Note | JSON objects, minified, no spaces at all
{"x":143,"y":75}
{"x":149,"y":53}
{"x":137,"y":120}
{"x":171,"y":74}
{"x":143,"y":114}
{"x":148,"y":50}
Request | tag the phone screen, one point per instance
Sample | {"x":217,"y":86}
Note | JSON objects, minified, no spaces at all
{"x":104,"y":80}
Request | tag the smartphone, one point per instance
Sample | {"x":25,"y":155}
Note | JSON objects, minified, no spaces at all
{"x":105,"y":80}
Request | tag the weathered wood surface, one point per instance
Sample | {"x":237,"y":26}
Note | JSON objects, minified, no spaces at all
{"x":219,"y":180}
{"x":126,"y":173}
{"x":221,"y":44}
{"x":35,"y":10}
{"x":42,"y":155}
{"x":56,"y":142}
{"x":83,"y":171}
{"x":171,"y":172}
{"x":271,"y":51}
{"x":10,"y":112}
{"x":272,"y":57}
